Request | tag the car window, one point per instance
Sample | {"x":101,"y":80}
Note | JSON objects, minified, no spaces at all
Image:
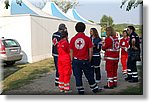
{"x":10,"y":43}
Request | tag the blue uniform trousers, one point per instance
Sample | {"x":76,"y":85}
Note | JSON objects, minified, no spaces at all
{"x":56,"y":66}
{"x":95,"y":64}
{"x":80,"y":67}
{"x":131,"y":68}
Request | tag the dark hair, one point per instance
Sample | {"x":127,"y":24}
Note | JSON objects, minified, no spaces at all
{"x":131,"y":27}
{"x":80,"y":27}
{"x":126,"y":32}
{"x":95,"y":33}
{"x":62,"y":27}
{"x":64,"y":34}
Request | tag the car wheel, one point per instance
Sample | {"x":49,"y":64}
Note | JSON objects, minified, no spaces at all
{"x":10,"y":63}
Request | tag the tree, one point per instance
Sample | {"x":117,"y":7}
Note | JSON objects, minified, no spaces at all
{"x":64,"y":5}
{"x":6,"y":2}
{"x":131,"y":4}
{"x":105,"y":22}
{"x":91,"y":21}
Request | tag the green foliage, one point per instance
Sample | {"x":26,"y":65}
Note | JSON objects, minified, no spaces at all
{"x":91,"y":21}
{"x":131,"y":4}
{"x":6,"y":4}
{"x":65,"y":5}
{"x":106,"y":21}
{"x":120,"y":27}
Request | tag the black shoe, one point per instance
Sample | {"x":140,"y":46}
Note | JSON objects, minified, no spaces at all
{"x":95,"y":90}
{"x":107,"y":87}
{"x":115,"y":85}
{"x":56,"y":84}
{"x":127,"y":79}
{"x":133,"y":81}
{"x":81,"y":92}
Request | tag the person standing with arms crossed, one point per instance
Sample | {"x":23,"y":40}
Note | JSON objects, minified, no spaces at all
{"x":81,"y":55}
{"x":55,"y":39}
{"x":134,"y":43}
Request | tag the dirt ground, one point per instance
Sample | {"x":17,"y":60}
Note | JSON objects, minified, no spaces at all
{"x":44,"y":85}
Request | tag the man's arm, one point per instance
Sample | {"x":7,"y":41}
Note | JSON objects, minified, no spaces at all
{"x":90,"y":54}
{"x":71,"y":54}
{"x":133,"y":44}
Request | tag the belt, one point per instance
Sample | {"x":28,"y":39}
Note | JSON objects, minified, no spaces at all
{"x":79,"y":59}
{"x":110,"y":58}
{"x":111,"y":50}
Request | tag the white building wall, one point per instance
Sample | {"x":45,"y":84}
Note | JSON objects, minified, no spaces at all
{"x":34,"y":34}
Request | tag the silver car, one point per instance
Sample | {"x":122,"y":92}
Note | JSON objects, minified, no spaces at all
{"x":10,"y":51}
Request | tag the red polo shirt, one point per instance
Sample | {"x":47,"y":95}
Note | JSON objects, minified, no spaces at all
{"x":80,"y":45}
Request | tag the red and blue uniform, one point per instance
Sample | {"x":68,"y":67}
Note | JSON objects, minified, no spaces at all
{"x":96,"y":58}
{"x":111,"y":48}
{"x":80,"y":45}
{"x":64,"y":65}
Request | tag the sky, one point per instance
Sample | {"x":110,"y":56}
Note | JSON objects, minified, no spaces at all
{"x":95,"y":9}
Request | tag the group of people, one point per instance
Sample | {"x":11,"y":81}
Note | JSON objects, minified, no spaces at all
{"x":82,"y":55}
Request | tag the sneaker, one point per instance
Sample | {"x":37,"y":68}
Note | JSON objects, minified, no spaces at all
{"x":81,"y":92}
{"x":95,"y":90}
{"x":56,"y":84}
{"x":67,"y":91}
{"x":61,"y":90}
{"x":133,"y":81}
{"x":97,"y":81}
{"x":127,"y":79}
{"x":107,"y":87}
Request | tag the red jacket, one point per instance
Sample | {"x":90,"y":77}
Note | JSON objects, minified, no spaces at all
{"x":111,"y":48}
{"x":124,"y":44}
{"x":63,"y":49}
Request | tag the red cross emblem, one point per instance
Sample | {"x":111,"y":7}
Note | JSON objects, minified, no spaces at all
{"x":55,"y":41}
{"x":79,"y":43}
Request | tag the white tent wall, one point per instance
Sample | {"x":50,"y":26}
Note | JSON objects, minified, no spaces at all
{"x":34,"y":33}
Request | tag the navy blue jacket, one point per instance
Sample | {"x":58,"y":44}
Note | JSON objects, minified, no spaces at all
{"x":97,"y":42}
{"x":137,"y":40}
{"x":55,"y":39}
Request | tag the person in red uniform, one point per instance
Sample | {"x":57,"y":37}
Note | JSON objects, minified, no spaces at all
{"x":64,"y":63}
{"x":111,"y":48}
{"x":124,"y":45}
{"x":81,"y":55}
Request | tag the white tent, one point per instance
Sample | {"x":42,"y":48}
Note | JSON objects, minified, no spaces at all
{"x":75,"y":15}
{"x":34,"y":29}
{"x":52,"y":9}
{"x":25,"y":8}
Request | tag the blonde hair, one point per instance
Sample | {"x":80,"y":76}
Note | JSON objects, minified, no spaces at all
{"x":112,"y":31}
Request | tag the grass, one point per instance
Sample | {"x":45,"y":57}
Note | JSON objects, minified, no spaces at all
{"x":27,"y":73}
{"x":137,"y":90}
